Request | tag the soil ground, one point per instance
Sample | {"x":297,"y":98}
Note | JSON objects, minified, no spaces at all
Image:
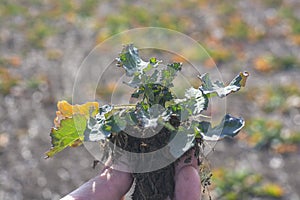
{"x":43,"y":43}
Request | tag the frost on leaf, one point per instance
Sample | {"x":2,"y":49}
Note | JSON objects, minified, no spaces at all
{"x":219,"y":88}
{"x":229,"y":127}
{"x":98,"y":127}
{"x":199,"y":101}
{"x":156,"y":106}
{"x":151,"y":117}
{"x":144,"y":73}
{"x":130,"y":60}
{"x":193,"y":104}
{"x":183,"y":141}
{"x":70,"y":123}
{"x":136,"y":68}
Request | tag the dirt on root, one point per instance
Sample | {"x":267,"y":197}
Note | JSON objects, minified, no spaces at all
{"x":154,"y":185}
{"x":158,"y":184}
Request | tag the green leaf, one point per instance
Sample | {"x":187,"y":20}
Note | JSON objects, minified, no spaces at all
{"x":219,"y":88}
{"x":137,"y":93}
{"x":109,"y":120}
{"x":152,"y":116}
{"x":70,"y":123}
{"x":134,"y":66}
{"x":194,"y":103}
{"x":70,"y":131}
{"x":153,"y":61}
{"x":183,"y":141}
{"x":229,"y":127}
{"x":198,"y":101}
{"x":135,"y":82}
{"x":130,"y":60}
{"x":152,"y":82}
{"x":176,"y":66}
{"x":157,"y":94}
{"x":97,"y":128}
{"x":168,"y":74}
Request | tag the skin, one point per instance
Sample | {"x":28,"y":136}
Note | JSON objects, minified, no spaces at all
{"x":187,"y":179}
{"x":110,"y":185}
{"x":113,"y":185}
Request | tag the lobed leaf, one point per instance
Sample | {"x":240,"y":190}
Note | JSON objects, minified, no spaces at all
{"x":66,"y":110}
{"x":194,"y":103}
{"x":97,"y":128}
{"x":70,"y":133}
{"x":109,"y":120}
{"x":70,"y":124}
{"x":135,"y":67}
{"x":152,"y":116}
{"x":219,"y":88}
{"x":168,"y":74}
{"x":130,"y":60}
{"x":77,"y":123}
{"x":229,"y":127}
{"x":183,"y":141}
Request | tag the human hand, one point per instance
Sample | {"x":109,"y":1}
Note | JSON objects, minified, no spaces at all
{"x":109,"y":185}
{"x":113,"y":184}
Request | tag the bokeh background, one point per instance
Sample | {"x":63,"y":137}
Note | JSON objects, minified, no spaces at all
{"x":44,"y":42}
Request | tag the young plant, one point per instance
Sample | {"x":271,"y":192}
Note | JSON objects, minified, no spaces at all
{"x":158,"y":118}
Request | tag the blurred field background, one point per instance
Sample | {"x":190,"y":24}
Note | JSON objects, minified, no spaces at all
{"x":44,"y":42}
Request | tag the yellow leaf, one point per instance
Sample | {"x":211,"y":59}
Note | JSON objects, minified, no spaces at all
{"x":66,"y":110}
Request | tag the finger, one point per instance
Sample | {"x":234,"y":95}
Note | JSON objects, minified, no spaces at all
{"x":187,"y":179}
{"x":188,"y":159}
{"x":110,"y":185}
{"x":187,"y":184}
